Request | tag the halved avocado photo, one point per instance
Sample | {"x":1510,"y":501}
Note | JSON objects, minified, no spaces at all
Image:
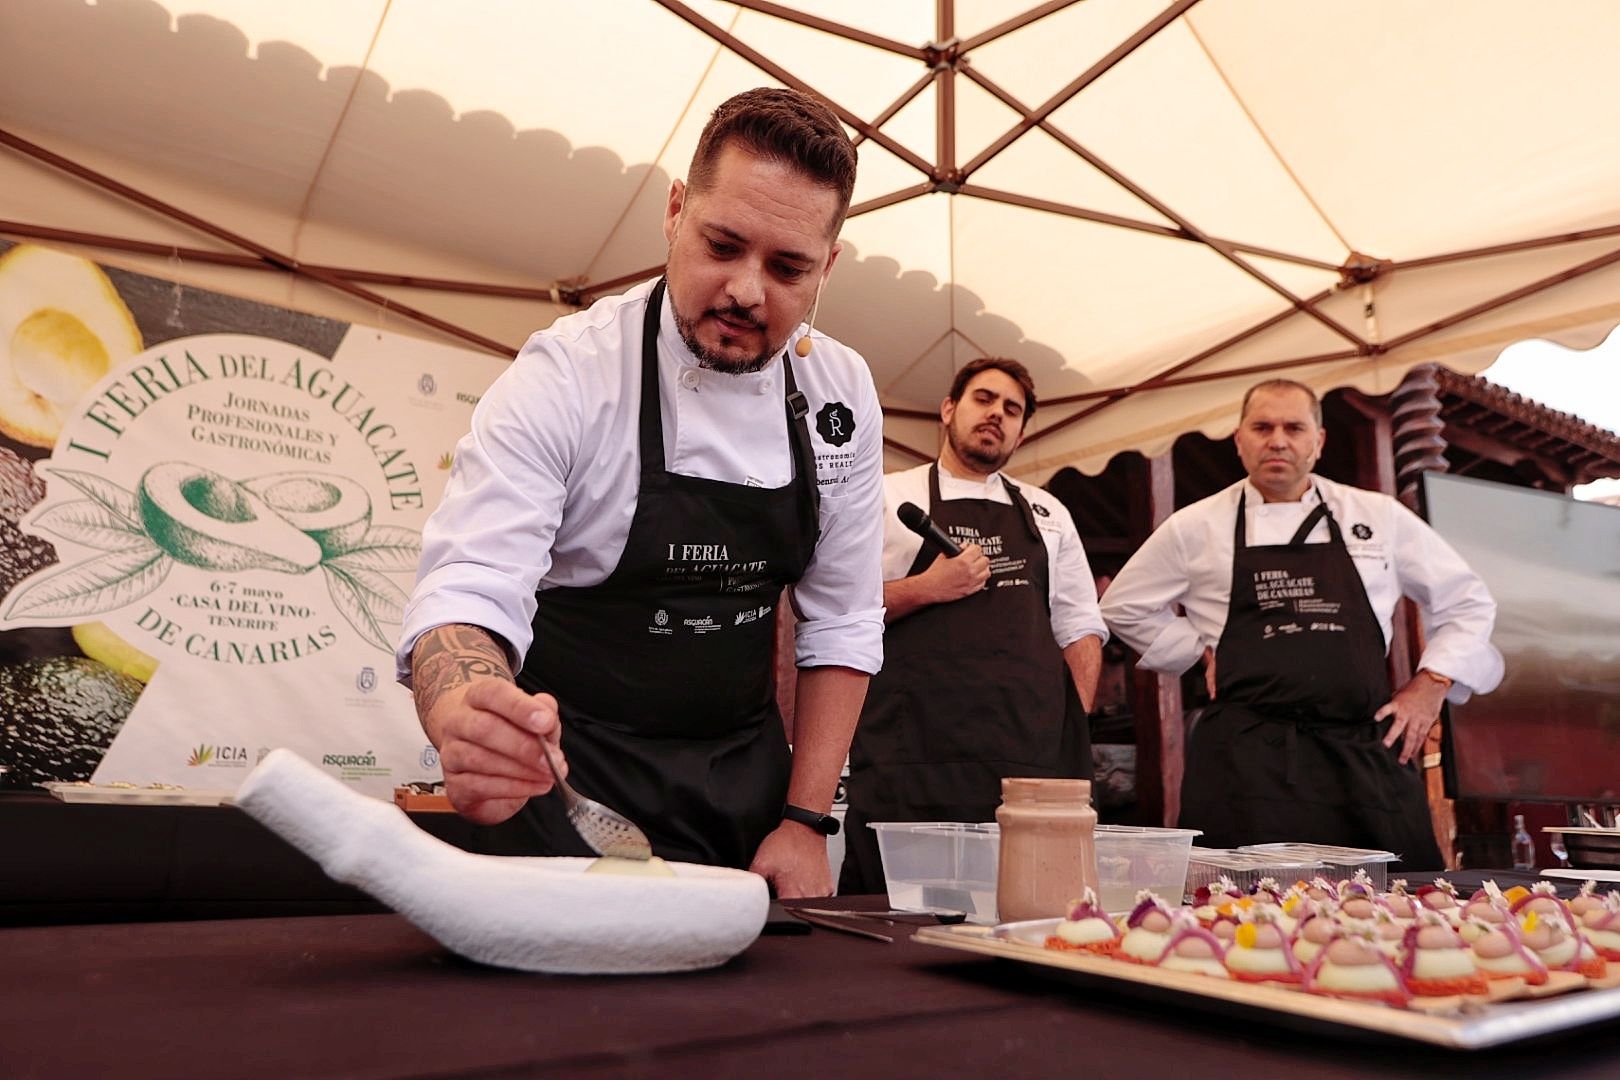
{"x":204,"y":519}
{"x":58,"y":717}
{"x":98,"y":641}
{"x":62,"y":327}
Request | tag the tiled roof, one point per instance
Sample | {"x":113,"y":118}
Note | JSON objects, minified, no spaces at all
{"x":1585,"y":448}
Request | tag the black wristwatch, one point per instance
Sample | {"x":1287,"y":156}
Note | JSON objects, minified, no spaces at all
{"x":825,"y":824}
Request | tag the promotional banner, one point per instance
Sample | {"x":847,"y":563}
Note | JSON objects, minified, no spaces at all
{"x":210,"y":512}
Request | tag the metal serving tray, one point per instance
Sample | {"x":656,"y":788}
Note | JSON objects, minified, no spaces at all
{"x":1468,"y":1024}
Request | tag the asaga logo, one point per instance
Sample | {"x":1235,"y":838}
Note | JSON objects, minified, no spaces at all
{"x":427,"y":385}
{"x":366,"y":681}
{"x":218,"y":757}
{"x":1361,"y":531}
{"x":1038,"y":510}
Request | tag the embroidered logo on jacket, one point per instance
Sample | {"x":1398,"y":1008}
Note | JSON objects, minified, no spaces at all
{"x":835,"y":423}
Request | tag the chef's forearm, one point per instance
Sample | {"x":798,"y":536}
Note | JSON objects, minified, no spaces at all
{"x":902,"y":596}
{"x":826,"y":706}
{"x":453,"y":655}
{"x":1084,"y":658}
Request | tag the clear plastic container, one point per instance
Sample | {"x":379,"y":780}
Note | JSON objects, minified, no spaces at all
{"x":1245,"y":869}
{"x":940,"y":864}
{"x":944,"y":864}
{"x":1131,"y":858}
{"x":1337,"y":862}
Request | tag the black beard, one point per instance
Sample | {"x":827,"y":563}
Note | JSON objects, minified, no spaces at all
{"x":990,"y":460}
{"x":712,"y":360}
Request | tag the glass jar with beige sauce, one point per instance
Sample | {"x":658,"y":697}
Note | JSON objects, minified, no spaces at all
{"x":1048,"y":849}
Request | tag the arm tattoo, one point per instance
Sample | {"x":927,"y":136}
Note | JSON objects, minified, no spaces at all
{"x":450,"y":656}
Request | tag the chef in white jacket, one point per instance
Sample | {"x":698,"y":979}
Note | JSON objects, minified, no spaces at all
{"x":1285,"y":585}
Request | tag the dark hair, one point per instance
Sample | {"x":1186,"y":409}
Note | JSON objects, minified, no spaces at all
{"x":1283,"y":384}
{"x":781,"y":125}
{"x":1007,"y":366}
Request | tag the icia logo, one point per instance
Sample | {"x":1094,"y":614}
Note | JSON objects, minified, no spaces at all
{"x":426,"y":385}
{"x":218,"y":757}
{"x":366,"y":681}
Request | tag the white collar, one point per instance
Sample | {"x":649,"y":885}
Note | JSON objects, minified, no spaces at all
{"x":1252,"y":496}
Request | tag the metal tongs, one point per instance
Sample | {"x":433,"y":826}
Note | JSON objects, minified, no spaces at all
{"x":604,"y":830}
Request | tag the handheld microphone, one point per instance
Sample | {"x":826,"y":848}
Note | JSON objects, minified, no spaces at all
{"x":914,"y":518}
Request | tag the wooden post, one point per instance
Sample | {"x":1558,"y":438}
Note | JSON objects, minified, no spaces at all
{"x":1156,"y":698}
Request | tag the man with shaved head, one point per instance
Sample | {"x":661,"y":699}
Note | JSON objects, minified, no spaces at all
{"x":1285,"y":586}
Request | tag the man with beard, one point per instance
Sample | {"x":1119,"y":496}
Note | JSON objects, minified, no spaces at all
{"x":1285,"y":585}
{"x":636,"y":491}
{"x":991,"y":657}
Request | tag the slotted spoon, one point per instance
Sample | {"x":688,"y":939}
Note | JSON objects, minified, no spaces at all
{"x":604,"y":830}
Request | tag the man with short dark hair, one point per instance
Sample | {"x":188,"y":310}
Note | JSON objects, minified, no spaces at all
{"x":637,"y":489}
{"x":1288,"y":583}
{"x":991,"y":657}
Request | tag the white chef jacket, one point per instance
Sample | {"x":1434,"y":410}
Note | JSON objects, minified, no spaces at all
{"x":543,"y":488}
{"x":1188,"y":561}
{"x":1070,"y":589}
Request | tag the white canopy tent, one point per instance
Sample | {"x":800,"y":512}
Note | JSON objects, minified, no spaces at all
{"x":1149,"y":202}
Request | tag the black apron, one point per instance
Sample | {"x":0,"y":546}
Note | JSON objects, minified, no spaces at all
{"x":663,"y":673}
{"x":1288,"y":750}
{"x":970,"y":691}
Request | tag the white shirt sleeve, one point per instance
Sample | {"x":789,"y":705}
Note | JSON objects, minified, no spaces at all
{"x":1073,"y":591}
{"x":1457,"y":609}
{"x":839,"y":600}
{"x":1139,"y":604}
{"x":489,"y":543}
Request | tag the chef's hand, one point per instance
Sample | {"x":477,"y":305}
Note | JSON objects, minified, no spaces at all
{"x":1415,"y":707}
{"x":793,"y":858}
{"x":487,"y":733}
{"x":951,"y":578}
{"x":1209,"y":671}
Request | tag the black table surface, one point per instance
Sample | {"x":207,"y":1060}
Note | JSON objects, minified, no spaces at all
{"x":372,"y":996}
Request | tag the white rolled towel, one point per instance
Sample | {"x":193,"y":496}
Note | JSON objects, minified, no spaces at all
{"x":532,"y":914}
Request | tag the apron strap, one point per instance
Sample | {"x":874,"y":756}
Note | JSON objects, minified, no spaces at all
{"x":804,"y":459}
{"x":1309,"y":523}
{"x":1023,"y":508}
{"x":651,"y":424}
{"x":1240,"y":532}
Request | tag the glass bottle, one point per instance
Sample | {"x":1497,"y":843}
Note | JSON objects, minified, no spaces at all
{"x":1048,"y":851}
{"x":1524,"y":849}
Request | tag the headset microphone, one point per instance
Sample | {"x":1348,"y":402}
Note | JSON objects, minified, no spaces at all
{"x":802,"y":346}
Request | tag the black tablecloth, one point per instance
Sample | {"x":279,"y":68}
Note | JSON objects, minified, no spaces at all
{"x":371,"y":996}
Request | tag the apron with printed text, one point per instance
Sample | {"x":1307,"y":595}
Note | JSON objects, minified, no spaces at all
{"x":970,"y":691}
{"x":1288,"y":750}
{"x":663,"y":672}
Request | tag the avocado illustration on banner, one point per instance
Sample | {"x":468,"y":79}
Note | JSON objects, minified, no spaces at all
{"x":197,"y":493}
{"x":288,"y":523}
